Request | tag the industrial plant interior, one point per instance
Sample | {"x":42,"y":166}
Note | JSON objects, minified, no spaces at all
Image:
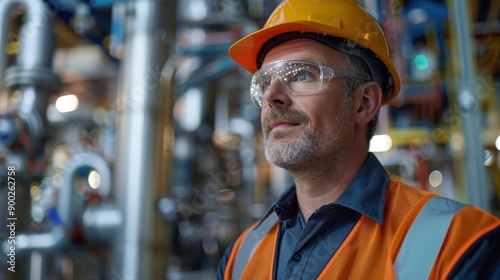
{"x":130,"y":147}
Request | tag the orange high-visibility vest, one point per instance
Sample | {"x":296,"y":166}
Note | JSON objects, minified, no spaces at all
{"x":379,"y":251}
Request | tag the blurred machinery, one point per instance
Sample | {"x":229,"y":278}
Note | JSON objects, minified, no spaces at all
{"x":137,"y":150}
{"x":446,"y":120}
{"x":129,"y":136}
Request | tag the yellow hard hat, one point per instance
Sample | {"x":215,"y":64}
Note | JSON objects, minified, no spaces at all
{"x":358,"y":31}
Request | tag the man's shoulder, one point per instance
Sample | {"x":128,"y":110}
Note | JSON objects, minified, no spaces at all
{"x":402,"y":187}
{"x":402,"y":192}
{"x":404,"y":197}
{"x":404,"y":203}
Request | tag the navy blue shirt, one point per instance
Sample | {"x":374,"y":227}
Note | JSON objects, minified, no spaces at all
{"x":303,"y":252}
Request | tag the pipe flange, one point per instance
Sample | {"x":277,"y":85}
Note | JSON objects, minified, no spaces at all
{"x":100,"y":222}
{"x":17,"y":76}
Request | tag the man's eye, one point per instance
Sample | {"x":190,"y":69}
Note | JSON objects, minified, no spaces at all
{"x":303,"y":77}
{"x":265,"y":85}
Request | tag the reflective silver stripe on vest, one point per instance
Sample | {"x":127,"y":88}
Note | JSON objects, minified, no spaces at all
{"x":424,"y":239}
{"x":250,"y":243}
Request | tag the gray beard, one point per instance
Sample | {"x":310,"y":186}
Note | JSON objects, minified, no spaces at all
{"x":307,"y":150}
{"x":291,"y":155}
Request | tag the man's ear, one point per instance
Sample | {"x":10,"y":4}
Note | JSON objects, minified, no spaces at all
{"x":370,"y":100}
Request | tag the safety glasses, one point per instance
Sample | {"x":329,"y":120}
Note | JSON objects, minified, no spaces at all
{"x":297,"y":76}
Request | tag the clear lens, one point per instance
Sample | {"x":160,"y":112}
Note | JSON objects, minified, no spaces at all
{"x":298,"y":77}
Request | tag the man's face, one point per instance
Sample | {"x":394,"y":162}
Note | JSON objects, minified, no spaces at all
{"x":303,"y":131}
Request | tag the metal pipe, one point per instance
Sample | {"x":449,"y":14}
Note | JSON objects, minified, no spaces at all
{"x":47,"y":242}
{"x":470,"y":109}
{"x":141,"y":113}
{"x":100,"y":222}
{"x":37,"y":37}
{"x":32,"y":75}
{"x":66,"y":196}
{"x":38,"y":266}
{"x":56,"y":239}
{"x":6,"y":7}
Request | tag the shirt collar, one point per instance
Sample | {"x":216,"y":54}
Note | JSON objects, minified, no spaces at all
{"x":365,"y":194}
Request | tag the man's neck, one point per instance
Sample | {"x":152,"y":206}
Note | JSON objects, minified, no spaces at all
{"x":324,"y":186}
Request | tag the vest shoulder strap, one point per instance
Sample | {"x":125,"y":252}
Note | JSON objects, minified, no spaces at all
{"x":250,"y":243}
{"x":423,"y":241}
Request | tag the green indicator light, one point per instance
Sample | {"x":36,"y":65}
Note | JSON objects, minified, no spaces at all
{"x":421,"y":62}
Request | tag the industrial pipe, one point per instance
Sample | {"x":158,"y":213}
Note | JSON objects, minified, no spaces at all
{"x":32,"y":74}
{"x":33,"y":77}
{"x":47,"y":242}
{"x":470,"y":109}
{"x":6,"y":7}
{"x":63,"y":216}
{"x":142,"y":110}
{"x":67,"y":193}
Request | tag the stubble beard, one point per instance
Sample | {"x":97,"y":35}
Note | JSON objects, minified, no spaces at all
{"x":289,"y":154}
{"x":306,"y":150}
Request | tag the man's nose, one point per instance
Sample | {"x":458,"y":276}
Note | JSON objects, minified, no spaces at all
{"x":277,"y":94}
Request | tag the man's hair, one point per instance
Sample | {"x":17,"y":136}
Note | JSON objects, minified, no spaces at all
{"x":361,"y":75}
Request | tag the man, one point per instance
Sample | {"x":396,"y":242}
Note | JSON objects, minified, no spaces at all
{"x":322,"y":70}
